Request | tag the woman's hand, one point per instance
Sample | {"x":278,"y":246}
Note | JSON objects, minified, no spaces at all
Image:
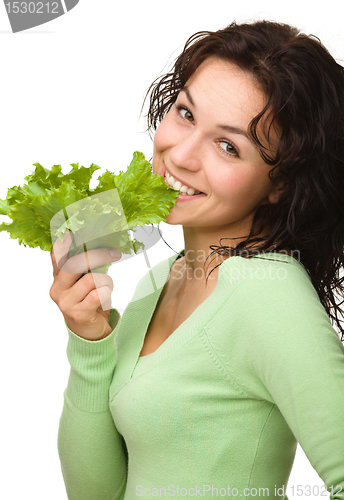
{"x":82,"y":299}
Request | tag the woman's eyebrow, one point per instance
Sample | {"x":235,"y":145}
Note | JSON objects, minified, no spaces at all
{"x":236,"y":130}
{"x":227,"y":128}
{"x":188,"y":95}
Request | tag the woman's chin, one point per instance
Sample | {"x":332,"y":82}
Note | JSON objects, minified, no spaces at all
{"x":171,"y":221}
{"x":172,"y":218}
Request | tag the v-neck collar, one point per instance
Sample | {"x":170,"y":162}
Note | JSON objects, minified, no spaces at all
{"x":140,"y":311}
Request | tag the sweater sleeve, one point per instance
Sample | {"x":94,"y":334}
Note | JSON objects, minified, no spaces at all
{"x":91,"y":450}
{"x":297,"y":360}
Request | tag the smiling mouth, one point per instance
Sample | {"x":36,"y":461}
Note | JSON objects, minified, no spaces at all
{"x":178,"y":186}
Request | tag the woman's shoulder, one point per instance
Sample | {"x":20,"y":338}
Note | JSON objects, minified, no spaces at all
{"x":267,"y":288}
{"x":269,"y":301}
{"x":267,"y":270}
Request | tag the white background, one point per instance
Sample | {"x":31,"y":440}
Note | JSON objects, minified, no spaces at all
{"x":71,"y":91}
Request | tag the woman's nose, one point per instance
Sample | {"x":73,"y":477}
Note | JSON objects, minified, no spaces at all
{"x":187,"y":153}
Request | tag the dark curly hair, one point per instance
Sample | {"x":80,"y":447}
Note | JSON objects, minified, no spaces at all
{"x":304,"y":86}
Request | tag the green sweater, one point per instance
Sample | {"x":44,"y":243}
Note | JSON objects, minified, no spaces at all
{"x":219,"y":407}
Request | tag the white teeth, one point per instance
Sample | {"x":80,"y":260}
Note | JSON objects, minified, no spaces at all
{"x":170,"y":180}
{"x":178,"y":185}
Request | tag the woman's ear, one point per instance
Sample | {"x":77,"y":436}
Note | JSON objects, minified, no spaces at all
{"x":277,"y":191}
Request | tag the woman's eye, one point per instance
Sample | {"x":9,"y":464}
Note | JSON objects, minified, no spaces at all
{"x":228,"y":148}
{"x":186,"y":114}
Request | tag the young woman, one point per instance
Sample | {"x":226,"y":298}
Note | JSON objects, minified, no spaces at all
{"x":210,"y":378}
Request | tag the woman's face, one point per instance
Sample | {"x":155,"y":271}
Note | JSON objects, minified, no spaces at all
{"x":203,"y":142}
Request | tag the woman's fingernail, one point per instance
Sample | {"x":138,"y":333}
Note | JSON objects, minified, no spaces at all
{"x":115,"y":253}
{"x":67,"y":236}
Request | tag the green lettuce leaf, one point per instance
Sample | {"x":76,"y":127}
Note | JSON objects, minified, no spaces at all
{"x":52,"y":203}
